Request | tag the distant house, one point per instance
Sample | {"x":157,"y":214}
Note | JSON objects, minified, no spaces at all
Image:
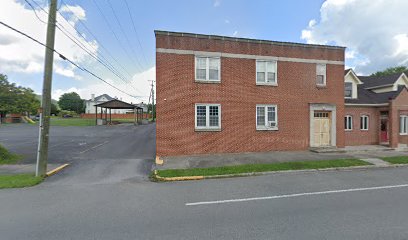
{"x":90,"y":104}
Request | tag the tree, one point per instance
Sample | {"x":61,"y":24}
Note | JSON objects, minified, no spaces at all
{"x":391,"y":70}
{"x":16,"y":99}
{"x":54,"y":109}
{"x":72,"y":102}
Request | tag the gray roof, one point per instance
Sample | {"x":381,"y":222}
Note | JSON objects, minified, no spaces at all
{"x":369,"y":97}
{"x":235,"y":39}
{"x":374,"y":81}
{"x":109,"y":98}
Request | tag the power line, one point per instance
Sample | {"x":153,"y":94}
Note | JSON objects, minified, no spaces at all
{"x":114,"y":34}
{"x":134,"y":28}
{"x":75,"y":40}
{"x":66,"y":59}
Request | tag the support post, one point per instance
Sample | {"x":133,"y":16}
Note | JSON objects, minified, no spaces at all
{"x":96,"y":115}
{"x":42,"y":153}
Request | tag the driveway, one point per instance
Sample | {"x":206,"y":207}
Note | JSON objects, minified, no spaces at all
{"x":97,"y":154}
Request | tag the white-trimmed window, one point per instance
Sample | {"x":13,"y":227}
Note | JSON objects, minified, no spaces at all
{"x":207,"y":116}
{"x":403,"y":125}
{"x":266,"y":117}
{"x":348,"y":90}
{"x":208,"y":69}
{"x":266,"y":72}
{"x":364,"y":122}
{"x":321,"y":74}
{"x":348,"y":122}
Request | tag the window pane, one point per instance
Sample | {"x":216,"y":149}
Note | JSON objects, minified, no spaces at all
{"x":271,"y":114}
{"x":213,"y":74}
{"x":201,"y":63}
{"x":350,"y":123}
{"x":201,"y":74}
{"x":214,"y":116}
{"x":348,"y":89}
{"x":201,"y":116}
{"x":214,"y":63}
{"x":260,"y":77}
{"x":260,"y":66}
{"x":320,"y":79}
{"x":320,"y":69}
{"x":271,"y":77}
{"x":270,"y":66}
{"x":260,"y":116}
{"x":362,"y":123}
{"x":345,"y":123}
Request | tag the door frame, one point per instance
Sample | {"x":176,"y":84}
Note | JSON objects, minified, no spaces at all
{"x":323,"y":107}
{"x":386,"y":117}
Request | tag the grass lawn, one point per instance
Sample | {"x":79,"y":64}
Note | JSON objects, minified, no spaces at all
{"x":254,"y":168}
{"x":19,"y":180}
{"x":396,"y":160}
{"x":72,"y":122}
{"x":7,"y":157}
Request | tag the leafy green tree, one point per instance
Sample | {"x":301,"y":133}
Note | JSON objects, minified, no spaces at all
{"x":390,"y":70}
{"x":16,"y":99}
{"x":72,"y":102}
{"x":54,"y":109}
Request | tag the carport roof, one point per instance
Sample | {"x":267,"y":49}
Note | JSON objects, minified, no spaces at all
{"x":117,"y":104}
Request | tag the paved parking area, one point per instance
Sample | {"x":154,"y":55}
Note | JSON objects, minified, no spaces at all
{"x":96,"y":153}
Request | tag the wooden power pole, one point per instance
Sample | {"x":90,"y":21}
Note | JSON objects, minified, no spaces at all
{"x":45,"y":112}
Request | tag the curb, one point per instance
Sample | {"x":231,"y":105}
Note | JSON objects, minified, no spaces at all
{"x":55,"y":170}
{"x":188,"y":178}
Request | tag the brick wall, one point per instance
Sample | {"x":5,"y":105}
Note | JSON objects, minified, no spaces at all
{"x":358,"y":136}
{"x":398,"y":106}
{"x":238,"y":95}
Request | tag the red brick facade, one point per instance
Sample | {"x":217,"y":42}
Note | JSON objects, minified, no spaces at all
{"x":238,"y":94}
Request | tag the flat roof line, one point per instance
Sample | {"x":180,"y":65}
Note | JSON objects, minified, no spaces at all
{"x":248,"y":40}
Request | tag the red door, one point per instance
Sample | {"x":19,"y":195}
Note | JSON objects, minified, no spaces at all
{"x":384,"y":130}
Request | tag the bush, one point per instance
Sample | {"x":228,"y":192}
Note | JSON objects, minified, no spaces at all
{"x":66,"y":113}
{"x":7,"y":157}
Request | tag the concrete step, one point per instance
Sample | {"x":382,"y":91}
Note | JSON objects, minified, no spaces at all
{"x":327,"y":150}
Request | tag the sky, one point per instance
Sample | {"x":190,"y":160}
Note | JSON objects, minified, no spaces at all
{"x":375,"y":33}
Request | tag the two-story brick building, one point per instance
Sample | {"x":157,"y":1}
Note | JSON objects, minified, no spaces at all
{"x":226,"y":95}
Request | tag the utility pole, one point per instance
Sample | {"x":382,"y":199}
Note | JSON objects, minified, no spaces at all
{"x":45,"y":111}
{"x":153,"y":107}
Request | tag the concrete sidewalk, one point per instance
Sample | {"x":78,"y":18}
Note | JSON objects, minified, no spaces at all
{"x":231,"y":159}
{"x":23,"y":168}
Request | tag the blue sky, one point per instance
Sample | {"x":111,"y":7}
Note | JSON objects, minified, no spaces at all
{"x":338,"y":22}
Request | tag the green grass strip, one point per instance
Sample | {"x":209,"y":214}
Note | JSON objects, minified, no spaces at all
{"x":254,"y":168}
{"x":19,"y":180}
{"x":396,"y":160}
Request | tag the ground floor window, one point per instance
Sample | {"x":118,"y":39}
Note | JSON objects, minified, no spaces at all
{"x":266,"y":117}
{"x":208,"y":116}
{"x":403,"y":124}
{"x":364,"y":122}
{"x":348,"y":122}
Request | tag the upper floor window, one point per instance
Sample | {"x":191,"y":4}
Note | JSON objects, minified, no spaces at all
{"x":348,"y":89}
{"x":208,"y":69}
{"x":266,"y":117}
{"x":348,"y":122}
{"x":364,"y":122}
{"x":403,"y":125}
{"x":266,"y":72}
{"x":207,"y":116}
{"x":321,"y":74}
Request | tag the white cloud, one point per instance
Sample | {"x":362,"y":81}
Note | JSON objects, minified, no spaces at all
{"x":235,"y":33}
{"x":226,"y":21}
{"x":217,"y":3}
{"x":375,"y":33}
{"x":19,"y":54}
{"x":139,"y":81}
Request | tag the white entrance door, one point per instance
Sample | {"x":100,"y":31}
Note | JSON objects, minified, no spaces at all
{"x":321,"y":122}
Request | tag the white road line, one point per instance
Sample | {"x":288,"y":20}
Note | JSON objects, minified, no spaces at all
{"x":96,"y":146}
{"x":295,"y":195}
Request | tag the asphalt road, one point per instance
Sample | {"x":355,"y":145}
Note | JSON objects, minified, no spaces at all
{"x":103,"y":196}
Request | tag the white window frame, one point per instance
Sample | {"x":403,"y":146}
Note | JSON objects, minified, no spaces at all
{"x":362,"y":127}
{"x":324,"y":74}
{"x":266,"y":127}
{"x":403,"y":119}
{"x":207,"y":68}
{"x":351,"y":89}
{"x":348,"y":128}
{"x":275,"y":83}
{"x":207,"y":120}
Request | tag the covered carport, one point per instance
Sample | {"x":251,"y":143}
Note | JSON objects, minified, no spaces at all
{"x":104,"y":117}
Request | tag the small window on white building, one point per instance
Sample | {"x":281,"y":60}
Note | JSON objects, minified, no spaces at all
{"x":208,"y":117}
{"x":348,"y":123}
{"x":266,"y":117}
{"x":321,"y":74}
{"x":403,"y":125}
{"x":364,"y":122}
{"x":266,"y":72}
{"x":348,"y":90}
{"x":208,"y":69}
